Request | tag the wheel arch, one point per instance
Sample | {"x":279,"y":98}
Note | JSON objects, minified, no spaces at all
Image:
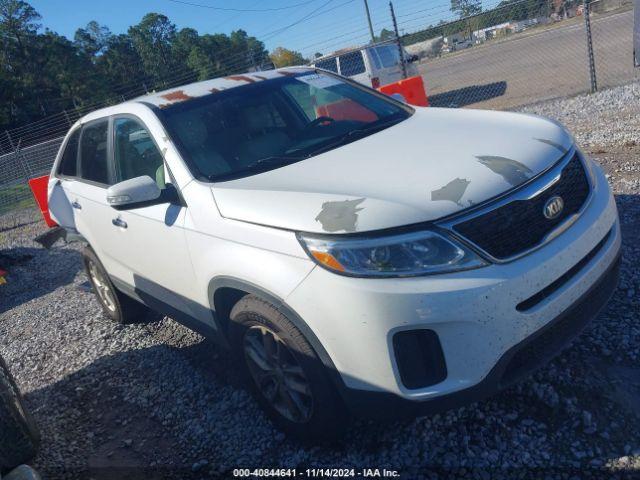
{"x":225,"y":291}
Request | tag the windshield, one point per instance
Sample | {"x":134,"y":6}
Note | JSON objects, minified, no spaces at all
{"x":272,"y":123}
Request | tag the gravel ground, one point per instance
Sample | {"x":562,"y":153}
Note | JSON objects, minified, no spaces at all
{"x":140,"y":401}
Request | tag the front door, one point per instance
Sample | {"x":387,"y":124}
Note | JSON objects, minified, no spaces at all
{"x":147,"y":245}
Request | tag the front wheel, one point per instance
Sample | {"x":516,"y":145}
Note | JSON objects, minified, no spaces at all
{"x":284,"y":372}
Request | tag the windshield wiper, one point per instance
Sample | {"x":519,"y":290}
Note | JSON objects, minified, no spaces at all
{"x":274,"y":159}
{"x":352,"y":135}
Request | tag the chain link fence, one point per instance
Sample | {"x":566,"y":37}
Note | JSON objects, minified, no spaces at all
{"x":513,"y":55}
{"x":537,"y":58}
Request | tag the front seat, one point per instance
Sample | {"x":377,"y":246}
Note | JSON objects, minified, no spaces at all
{"x":262,"y":141}
{"x":195,"y":137}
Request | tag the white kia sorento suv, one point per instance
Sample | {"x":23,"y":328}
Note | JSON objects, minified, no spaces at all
{"x":355,"y":254}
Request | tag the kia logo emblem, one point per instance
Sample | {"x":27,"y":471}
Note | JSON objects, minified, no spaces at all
{"x":553,"y":207}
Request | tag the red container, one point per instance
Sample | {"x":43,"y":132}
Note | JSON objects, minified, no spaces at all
{"x":412,"y":89}
{"x":39,"y":188}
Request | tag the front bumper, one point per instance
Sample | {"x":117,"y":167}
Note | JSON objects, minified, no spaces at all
{"x":519,"y":361}
{"x":473,"y":313}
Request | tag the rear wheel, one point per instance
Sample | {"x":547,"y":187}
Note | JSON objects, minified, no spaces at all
{"x":118,"y":306}
{"x":19,"y":436}
{"x":283,"y":371}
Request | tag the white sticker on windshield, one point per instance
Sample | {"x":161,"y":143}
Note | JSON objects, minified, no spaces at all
{"x":319,"y":81}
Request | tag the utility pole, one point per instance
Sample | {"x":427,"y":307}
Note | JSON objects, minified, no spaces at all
{"x":400,"y":49}
{"x":366,"y":7}
{"x":591,"y":60}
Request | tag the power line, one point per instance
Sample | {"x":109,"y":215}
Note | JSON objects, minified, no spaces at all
{"x":226,"y":9}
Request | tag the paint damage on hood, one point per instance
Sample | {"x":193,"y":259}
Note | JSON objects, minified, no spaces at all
{"x":436,"y":163}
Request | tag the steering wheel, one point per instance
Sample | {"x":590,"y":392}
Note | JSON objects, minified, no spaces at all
{"x":319,"y":121}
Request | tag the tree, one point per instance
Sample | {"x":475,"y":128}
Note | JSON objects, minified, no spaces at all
{"x":43,"y":73}
{"x":18,"y":20}
{"x":385,"y":35}
{"x":93,"y":39}
{"x":152,"y":39}
{"x":122,"y":68}
{"x":466,"y":8}
{"x":282,"y":57}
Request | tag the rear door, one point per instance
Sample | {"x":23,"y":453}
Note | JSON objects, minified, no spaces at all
{"x":391,"y":67}
{"x":64,"y":174}
{"x":88,"y":191}
{"x":77,"y":192}
{"x":352,"y":65}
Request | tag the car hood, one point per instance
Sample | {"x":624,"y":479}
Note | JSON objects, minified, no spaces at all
{"x":435,"y":163}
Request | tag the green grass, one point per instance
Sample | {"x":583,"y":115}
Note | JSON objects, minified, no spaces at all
{"x":14,"y":197}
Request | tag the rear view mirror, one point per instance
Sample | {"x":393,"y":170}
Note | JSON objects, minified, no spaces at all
{"x":133,"y":192}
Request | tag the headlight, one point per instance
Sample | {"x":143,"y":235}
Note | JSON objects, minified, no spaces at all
{"x":407,"y":254}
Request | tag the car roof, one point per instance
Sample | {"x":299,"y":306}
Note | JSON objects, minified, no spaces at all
{"x":190,"y":91}
{"x":342,"y":51}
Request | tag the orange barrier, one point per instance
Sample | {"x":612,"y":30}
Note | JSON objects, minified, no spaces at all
{"x":412,"y":89}
{"x":39,"y":189}
{"x":346,"y":109}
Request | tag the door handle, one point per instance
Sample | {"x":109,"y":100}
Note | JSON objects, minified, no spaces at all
{"x":76,"y":205}
{"x":118,"y":222}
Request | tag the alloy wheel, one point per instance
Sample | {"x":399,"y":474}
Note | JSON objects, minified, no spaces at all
{"x":278,"y":374}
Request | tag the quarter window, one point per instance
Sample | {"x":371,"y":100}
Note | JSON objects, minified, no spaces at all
{"x":351,"y":64}
{"x":94,"y":165}
{"x":69,"y":160}
{"x":135,"y":152}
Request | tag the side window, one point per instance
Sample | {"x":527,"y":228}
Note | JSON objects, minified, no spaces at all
{"x":330,"y":64}
{"x":135,"y":153}
{"x":388,"y":56}
{"x":351,"y":64}
{"x":69,"y":161}
{"x":374,"y":56}
{"x":94,"y":165}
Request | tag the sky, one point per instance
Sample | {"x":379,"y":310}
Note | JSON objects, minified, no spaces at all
{"x":324,"y":25}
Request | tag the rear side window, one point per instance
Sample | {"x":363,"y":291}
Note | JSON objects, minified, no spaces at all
{"x":135,"y":152}
{"x":389,"y":55}
{"x":374,"y":56}
{"x":94,"y":165}
{"x":351,"y":63}
{"x":330,"y":64}
{"x":69,"y":160}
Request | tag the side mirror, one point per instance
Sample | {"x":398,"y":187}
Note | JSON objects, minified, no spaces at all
{"x":133,"y":193}
{"x":399,"y":97}
{"x":412,"y":58}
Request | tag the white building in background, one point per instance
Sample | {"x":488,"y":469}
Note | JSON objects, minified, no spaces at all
{"x":507,"y":27}
{"x":489,"y":32}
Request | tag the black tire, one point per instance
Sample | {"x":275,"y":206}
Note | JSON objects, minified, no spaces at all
{"x":327,"y":417}
{"x":19,"y":436}
{"x":116,"y":305}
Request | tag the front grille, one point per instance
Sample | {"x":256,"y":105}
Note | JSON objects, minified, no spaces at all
{"x":521,"y":225}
